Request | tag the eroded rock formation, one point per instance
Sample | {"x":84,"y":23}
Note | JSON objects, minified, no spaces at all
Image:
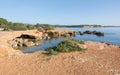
{"x":25,"y":40}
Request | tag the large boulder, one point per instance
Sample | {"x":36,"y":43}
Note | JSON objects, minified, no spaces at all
{"x":87,"y":32}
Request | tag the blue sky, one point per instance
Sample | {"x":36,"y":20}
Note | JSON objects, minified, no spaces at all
{"x":105,"y":12}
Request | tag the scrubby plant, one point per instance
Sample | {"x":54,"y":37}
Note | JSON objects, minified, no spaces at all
{"x":67,"y":46}
{"x":44,"y":27}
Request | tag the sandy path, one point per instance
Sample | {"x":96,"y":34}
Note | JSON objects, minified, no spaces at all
{"x":99,"y":59}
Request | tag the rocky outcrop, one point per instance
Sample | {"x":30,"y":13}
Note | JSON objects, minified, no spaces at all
{"x":32,"y":39}
{"x":57,"y":34}
{"x":10,"y":41}
{"x":99,"y":34}
{"x":92,"y":32}
{"x":24,"y":40}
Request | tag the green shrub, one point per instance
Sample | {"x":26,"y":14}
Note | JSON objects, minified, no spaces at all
{"x":18,"y":27}
{"x":68,"y":46}
{"x":30,"y":27}
{"x":81,"y":41}
{"x":44,"y":27}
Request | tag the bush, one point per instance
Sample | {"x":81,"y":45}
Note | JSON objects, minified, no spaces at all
{"x":18,"y":27}
{"x":44,"y":27}
{"x":67,"y":46}
{"x":81,"y":41}
{"x":22,"y":26}
{"x":30,"y":27}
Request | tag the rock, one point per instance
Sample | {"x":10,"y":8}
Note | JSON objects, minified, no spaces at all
{"x":28,"y":44}
{"x":20,"y":44}
{"x":47,"y":38}
{"x":53,"y":34}
{"x":61,"y":34}
{"x":14,"y":44}
{"x":92,"y":32}
{"x":83,"y":46}
{"x":99,"y":34}
{"x":26,"y":36}
{"x":81,"y":33}
{"x":87,"y":32}
{"x":37,"y":43}
{"x":72,"y":33}
{"x":24,"y":40}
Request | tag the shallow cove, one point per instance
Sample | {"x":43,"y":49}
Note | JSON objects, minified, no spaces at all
{"x":45,"y":45}
{"x":112,"y":35}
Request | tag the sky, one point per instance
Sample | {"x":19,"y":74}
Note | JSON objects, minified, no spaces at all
{"x":72,"y":12}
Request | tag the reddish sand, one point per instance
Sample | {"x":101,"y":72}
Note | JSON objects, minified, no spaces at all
{"x":98,"y":59}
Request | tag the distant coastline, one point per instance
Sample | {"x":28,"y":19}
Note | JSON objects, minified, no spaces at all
{"x":84,"y":26}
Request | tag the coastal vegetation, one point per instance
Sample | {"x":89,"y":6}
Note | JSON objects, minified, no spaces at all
{"x":6,"y":25}
{"x":67,"y":46}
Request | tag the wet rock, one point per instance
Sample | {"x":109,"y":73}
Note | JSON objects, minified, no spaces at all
{"x":81,"y":33}
{"x":87,"y":32}
{"x":92,"y":32}
{"x":99,"y":34}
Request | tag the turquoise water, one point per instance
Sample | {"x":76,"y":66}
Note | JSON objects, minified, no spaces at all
{"x":112,"y":35}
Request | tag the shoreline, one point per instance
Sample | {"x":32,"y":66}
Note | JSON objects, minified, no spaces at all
{"x":99,"y":58}
{"x":6,"y":49}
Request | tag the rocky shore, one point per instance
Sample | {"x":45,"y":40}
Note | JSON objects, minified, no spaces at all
{"x":98,"y":59}
{"x":10,"y":41}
